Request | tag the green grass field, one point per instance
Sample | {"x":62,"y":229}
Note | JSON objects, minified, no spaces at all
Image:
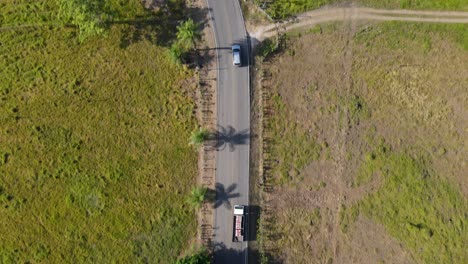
{"x":417,"y":207}
{"x":397,"y":34}
{"x":279,"y":9}
{"x":95,"y":164}
{"x":461,"y":5}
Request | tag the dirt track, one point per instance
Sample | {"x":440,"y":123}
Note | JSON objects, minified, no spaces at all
{"x":353,"y":13}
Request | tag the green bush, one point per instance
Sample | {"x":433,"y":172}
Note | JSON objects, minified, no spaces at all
{"x":267,"y":47}
{"x":197,"y":196}
{"x":177,"y":52}
{"x":199,"y":136}
{"x":87,"y":15}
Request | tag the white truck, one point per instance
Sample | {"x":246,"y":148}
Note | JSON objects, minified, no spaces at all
{"x":238,"y":234}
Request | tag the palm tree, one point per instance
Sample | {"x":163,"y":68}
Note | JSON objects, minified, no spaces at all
{"x":197,"y":196}
{"x":198,"y":137}
{"x":188,"y":33}
{"x":87,"y":15}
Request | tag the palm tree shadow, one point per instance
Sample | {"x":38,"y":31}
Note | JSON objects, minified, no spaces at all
{"x":159,"y":28}
{"x":228,"y":136}
{"x":221,"y":196}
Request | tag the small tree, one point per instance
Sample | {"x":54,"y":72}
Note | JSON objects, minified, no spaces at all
{"x":197,"y":196}
{"x":201,"y":257}
{"x":188,"y":33}
{"x":198,"y":137}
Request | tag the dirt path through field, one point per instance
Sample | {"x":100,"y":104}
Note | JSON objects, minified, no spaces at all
{"x":354,"y":13}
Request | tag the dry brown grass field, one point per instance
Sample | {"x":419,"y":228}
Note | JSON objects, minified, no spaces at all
{"x":367,"y":131}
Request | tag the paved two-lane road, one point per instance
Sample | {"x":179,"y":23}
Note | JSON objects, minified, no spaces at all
{"x":233,"y":113}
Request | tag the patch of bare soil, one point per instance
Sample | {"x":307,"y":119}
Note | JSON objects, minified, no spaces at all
{"x":416,"y":101}
{"x":368,"y":242}
{"x":312,"y":79}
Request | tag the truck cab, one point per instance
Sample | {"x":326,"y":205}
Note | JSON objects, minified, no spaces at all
{"x":239,"y":223}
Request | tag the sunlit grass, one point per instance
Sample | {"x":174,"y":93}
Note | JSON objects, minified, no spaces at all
{"x":417,"y":207}
{"x":95,"y":164}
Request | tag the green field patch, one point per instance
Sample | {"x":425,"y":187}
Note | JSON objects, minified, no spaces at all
{"x":294,"y":147}
{"x":417,"y":207}
{"x":396,"y":34}
{"x":280,"y":9}
{"x":418,"y":4}
{"x":95,"y":164}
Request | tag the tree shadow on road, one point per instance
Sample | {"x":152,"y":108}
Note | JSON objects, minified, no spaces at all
{"x":221,"y":196}
{"x":228,"y":136}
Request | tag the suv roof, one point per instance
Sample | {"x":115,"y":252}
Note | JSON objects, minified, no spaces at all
{"x":236,"y":60}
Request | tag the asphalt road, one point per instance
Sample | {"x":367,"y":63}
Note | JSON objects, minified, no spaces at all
{"x":233,"y":113}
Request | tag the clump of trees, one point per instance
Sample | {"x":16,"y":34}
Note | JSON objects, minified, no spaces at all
{"x":87,"y":15}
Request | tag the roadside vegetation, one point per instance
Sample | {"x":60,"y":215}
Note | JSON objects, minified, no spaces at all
{"x":387,"y":183}
{"x":199,"y":136}
{"x":94,"y":160}
{"x":197,"y":197}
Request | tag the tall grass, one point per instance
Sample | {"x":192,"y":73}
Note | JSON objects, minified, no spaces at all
{"x":95,"y":165}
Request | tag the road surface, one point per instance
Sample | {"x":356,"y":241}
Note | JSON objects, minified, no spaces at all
{"x":233,"y":114}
